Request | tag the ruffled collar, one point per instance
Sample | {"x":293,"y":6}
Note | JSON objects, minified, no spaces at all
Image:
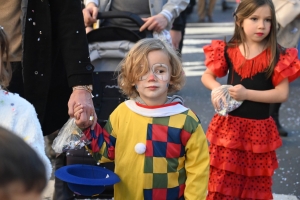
{"x":247,"y":68}
{"x":168,"y":109}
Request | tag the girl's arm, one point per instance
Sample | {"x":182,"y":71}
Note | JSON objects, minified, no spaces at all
{"x":277,"y":95}
{"x":209,"y":80}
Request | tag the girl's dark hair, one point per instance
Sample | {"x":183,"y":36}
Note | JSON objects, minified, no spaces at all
{"x":5,"y":69}
{"x":245,"y":9}
{"x":19,"y":163}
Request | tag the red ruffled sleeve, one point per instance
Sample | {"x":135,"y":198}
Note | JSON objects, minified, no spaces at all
{"x":215,"y":58}
{"x":288,"y":66}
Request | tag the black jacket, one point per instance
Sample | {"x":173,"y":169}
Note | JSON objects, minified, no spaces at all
{"x":55,"y":57}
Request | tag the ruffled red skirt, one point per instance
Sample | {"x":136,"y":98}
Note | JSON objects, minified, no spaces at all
{"x":242,"y":157}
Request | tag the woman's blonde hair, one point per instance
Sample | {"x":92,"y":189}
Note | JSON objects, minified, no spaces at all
{"x":245,"y":9}
{"x":135,"y":65}
{"x":5,"y":69}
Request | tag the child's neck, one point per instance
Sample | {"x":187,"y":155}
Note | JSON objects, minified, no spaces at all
{"x":150,"y":102}
{"x":251,"y":50}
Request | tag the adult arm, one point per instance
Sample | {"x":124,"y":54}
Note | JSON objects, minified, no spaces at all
{"x":90,"y":12}
{"x":69,"y":30}
{"x":165,"y":18}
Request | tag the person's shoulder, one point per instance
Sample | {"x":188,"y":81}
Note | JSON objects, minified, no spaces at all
{"x":288,"y":66}
{"x":215,"y":57}
{"x":287,"y":56}
{"x":120,"y":109}
{"x":189,"y":117}
{"x":215,"y":44}
{"x":15,"y":101}
{"x":192,"y":115}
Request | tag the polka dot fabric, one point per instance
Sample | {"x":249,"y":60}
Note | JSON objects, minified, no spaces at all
{"x":243,"y":162}
{"x":231,"y":184}
{"x":288,"y":66}
{"x":245,"y":134}
{"x":215,"y":59}
{"x":242,"y":157}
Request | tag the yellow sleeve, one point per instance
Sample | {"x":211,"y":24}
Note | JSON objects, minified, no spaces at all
{"x":197,"y":166}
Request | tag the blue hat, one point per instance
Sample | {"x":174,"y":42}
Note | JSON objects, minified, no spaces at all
{"x":87,"y":180}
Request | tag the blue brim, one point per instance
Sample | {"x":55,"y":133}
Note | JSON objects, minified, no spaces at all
{"x":86,"y":180}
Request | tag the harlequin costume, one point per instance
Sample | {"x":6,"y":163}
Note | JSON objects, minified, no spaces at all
{"x":175,"y":163}
{"x":242,"y":144}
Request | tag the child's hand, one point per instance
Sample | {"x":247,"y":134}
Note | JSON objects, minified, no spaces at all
{"x":238,"y":92}
{"x":80,"y":116}
{"x":217,"y":100}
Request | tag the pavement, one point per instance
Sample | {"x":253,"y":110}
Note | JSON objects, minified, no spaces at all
{"x":286,"y":180}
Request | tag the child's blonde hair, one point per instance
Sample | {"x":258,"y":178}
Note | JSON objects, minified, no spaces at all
{"x":245,"y":9}
{"x":5,"y":69}
{"x":135,"y":65}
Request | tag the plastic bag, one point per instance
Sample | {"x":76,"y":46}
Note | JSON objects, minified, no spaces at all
{"x":222,"y":101}
{"x":69,"y":137}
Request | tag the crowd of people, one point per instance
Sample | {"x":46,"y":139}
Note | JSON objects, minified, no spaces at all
{"x":159,"y":147}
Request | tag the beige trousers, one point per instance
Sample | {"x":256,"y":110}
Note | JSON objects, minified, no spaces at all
{"x":203,"y":11}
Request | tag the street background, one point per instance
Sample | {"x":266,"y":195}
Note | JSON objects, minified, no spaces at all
{"x":286,"y":180}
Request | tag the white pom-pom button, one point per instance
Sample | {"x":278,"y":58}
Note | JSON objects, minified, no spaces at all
{"x":140,"y":148}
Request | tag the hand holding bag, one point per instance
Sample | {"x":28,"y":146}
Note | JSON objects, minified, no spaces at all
{"x":222,"y":101}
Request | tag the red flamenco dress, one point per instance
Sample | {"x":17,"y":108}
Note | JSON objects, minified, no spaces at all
{"x":242,"y":144}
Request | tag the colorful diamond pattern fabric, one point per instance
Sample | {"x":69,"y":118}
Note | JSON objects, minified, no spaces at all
{"x":165,"y":156}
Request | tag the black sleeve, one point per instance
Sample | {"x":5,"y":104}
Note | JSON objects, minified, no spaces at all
{"x":69,"y":32}
{"x":179,"y":22}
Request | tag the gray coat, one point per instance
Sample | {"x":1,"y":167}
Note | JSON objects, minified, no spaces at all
{"x":175,"y":7}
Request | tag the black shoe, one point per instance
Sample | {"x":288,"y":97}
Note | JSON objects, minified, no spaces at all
{"x":282,"y":131}
{"x":225,"y":6}
{"x":210,"y":19}
{"x":201,"y":20}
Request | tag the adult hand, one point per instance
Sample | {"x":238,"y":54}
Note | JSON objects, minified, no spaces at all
{"x":176,"y":38}
{"x":155,"y":23}
{"x":238,"y":92}
{"x":84,"y":98}
{"x":90,"y":13}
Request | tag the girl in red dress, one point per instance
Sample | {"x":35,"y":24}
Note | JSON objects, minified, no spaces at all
{"x":243,"y":143}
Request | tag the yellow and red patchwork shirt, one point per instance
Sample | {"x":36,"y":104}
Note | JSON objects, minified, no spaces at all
{"x":175,"y":164}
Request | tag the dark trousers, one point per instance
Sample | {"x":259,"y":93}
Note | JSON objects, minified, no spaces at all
{"x":61,"y":189}
{"x":274,"y":111}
